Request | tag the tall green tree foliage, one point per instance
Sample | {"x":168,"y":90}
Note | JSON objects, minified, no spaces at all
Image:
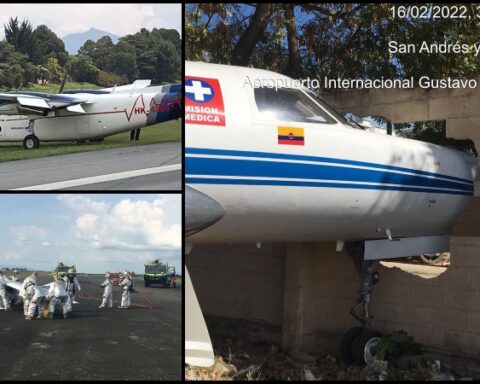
{"x":46,"y":44}
{"x":327,"y":39}
{"x":19,"y":35}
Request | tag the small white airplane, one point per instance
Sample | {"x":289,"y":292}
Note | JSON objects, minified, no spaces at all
{"x":79,"y":115}
{"x":267,"y":164}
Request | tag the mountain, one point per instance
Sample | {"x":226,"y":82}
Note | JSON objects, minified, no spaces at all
{"x":74,"y":41}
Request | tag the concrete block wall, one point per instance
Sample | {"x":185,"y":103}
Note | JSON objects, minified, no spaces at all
{"x":442,"y":313}
{"x":308,"y":289}
{"x":239,"y":281}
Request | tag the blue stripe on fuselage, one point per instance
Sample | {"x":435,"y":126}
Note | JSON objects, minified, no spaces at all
{"x":194,"y":180}
{"x":268,"y":155}
{"x":218,"y":168}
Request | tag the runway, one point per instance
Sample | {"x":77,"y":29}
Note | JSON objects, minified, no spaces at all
{"x":146,"y":167}
{"x":140,"y":343}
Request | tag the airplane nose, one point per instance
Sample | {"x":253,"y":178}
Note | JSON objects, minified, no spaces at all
{"x":201,"y":211}
{"x":473,"y":167}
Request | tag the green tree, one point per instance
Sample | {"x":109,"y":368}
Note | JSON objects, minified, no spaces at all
{"x":347,"y":40}
{"x":82,"y":69}
{"x":46,"y":44}
{"x":152,"y":48}
{"x":54,"y":69}
{"x":106,"y":79}
{"x":19,"y":35}
{"x":13,"y":66}
{"x":100,"y":52}
{"x":123,"y":61}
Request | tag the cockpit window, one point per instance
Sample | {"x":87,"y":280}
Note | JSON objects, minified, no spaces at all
{"x":328,"y":108}
{"x":289,"y":104}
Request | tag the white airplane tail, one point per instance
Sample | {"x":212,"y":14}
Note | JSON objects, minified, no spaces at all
{"x":137,"y":84}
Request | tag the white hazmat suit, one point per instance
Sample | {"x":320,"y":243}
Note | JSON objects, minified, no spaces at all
{"x":27,"y":292}
{"x":58,"y":297}
{"x":71,"y":286}
{"x":127,"y":284}
{"x":37,"y":302}
{"x":107,"y":293}
{"x":3,"y":293}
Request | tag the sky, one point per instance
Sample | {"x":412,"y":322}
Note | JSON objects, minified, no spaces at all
{"x":120,"y":19}
{"x":95,"y":232}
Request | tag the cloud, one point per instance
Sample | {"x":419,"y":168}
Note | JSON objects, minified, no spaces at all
{"x":28,"y":233}
{"x":82,"y":203}
{"x":128,"y":226}
{"x":87,"y":222}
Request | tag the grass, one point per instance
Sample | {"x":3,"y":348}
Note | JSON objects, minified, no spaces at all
{"x":159,"y":133}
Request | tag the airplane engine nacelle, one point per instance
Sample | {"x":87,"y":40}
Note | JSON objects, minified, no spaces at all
{"x":166,"y":105}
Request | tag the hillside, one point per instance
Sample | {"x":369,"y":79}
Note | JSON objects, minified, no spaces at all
{"x":74,"y":41}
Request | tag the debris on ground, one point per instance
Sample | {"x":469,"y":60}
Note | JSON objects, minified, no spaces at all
{"x":262,"y":361}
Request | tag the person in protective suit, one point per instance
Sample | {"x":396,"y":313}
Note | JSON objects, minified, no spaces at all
{"x":4,"y":298}
{"x":15,"y":276}
{"x":14,"y":296}
{"x":107,"y":292}
{"x":71,"y":286}
{"x":57,"y":295}
{"x":127,"y":285}
{"x":28,"y":291}
{"x":32,"y":298}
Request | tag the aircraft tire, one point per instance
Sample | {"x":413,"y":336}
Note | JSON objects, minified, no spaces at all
{"x":346,"y":344}
{"x":362,"y":344}
{"x":432,"y":259}
{"x":31,"y":142}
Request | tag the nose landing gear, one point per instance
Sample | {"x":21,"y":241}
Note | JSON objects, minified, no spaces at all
{"x":357,"y":343}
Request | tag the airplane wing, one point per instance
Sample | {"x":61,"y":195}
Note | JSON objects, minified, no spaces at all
{"x":17,"y":285}
{"x":14,"y":284}
{"x":37,"y":103}
{"x":198,"y":347}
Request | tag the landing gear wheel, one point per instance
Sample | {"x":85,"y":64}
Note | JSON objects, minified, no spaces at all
{"x":346,"y":344}
{"x":432,"y":258}
{"x":362,"y":345}
{"x":31,"y":142}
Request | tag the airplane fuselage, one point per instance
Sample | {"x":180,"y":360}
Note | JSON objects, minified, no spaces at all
{"x":281,"y":178}
{"x":105,"y":115}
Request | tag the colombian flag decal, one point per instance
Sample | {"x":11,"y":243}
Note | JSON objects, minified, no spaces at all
{"x":291,"y":136}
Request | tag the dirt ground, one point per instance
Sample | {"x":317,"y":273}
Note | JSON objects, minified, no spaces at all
{"x":238,"y":360}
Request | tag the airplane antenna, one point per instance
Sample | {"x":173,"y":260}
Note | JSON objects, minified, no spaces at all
{"x":114,"y":87}
{"x":63,"y":84}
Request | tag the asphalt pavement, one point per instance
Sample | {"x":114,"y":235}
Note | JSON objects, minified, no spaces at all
{"x":145,"y":167}
{"x":140,"y":343}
